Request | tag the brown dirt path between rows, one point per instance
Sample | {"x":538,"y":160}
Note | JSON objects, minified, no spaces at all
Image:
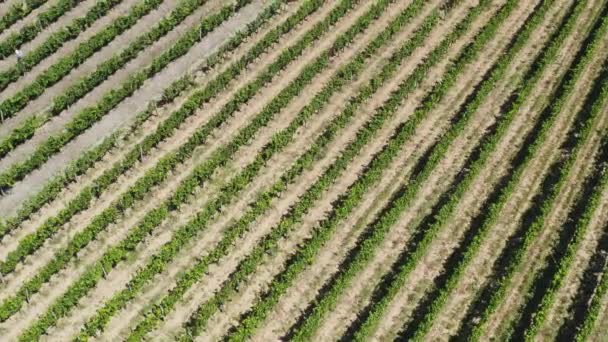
{"x":6,"y":6}
{"x":292,"y":153}
{"x":264,"y":224}
{"x":293,"y":303}
{"x":358,"y":294}
{"x":78,"y":11}
{"x":10,"y":242}
{"x":115,"y":154}
{"x":43,"y":101}
{"x":461,"y":294}
{"x":496,"y":168}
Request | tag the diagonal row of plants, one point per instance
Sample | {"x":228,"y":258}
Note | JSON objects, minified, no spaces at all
{"x":382,"y":114}
{"x":201,"y":173}
{"x":363,"y":252}
{"x":32,"y":242}
{"x":29,"y":32}
{"x":92,"y":114}
{"x":493,"y":292}
{"x":204,"y":171}
{"x":53,"y":42}
{"x":229,"y":191}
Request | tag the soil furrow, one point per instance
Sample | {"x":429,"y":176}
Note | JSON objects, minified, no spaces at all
{"x":395,"y":242}
{"x":535,"y":257}
{"x":9,"y":243}
{"x":57,"y":123}
{"x":30,"y":18}
{"x":151,"y":124}
{"x":316,"y":216}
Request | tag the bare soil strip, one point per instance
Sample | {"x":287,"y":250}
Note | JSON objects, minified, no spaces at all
{"x":496,"y":168}
{"x":289,"y":307}
{"x":119,"y":10}
{"x":188,"y":127}
{"x":9,"y":243}
{"x":360,"y":292}
{"x":6,"y":5}
{"x":85,"y":68}
{"x":57,"y":123}
{"x":308,"y":127}
{"x":536,"y":257}
{"x":409,"y":298}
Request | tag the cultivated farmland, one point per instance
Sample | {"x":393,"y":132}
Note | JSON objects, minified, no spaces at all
{"x":307,"y":170}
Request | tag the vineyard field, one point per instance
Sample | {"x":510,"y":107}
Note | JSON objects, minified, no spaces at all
{"x":304,"y":170}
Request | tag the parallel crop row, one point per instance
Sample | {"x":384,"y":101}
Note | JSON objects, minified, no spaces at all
{"x":495,"y":290}
{"x":440,"y":216}
{"x":169,"y":126}
{"x":365,"y":249}
{"x":548,"y":282}
{"x":159,"y":173}
{"x":296,"y":264}
{"x":32,"y":242}
{"x":90,"y":115}
{"x":277,"y":143}
{"x":55,"y":41}
{"x":199,"y":175}
{"x":30,"y":31}
{"x":19,"y":11}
